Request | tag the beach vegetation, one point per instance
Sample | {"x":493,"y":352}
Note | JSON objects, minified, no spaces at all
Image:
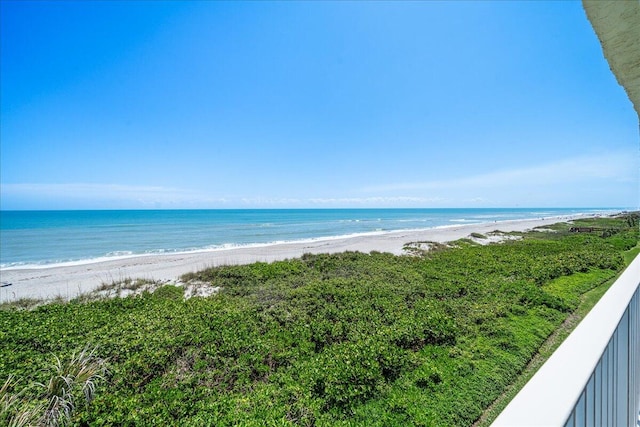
{"x":464,"y":242}
{"x":120,"y":288}
{"x":632,"y":218}
{"x":423,"y":248}
{"x":21,"y":304}
{"x":53,"y":402}
{"x":631,"y":254}
{"x":343,"y":339}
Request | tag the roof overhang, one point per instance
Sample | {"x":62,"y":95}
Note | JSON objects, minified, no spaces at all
{"x":617,"y":24}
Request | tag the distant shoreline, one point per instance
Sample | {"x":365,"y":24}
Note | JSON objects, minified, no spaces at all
{"x":226,"y":247}
{"x":44,"y":239}
{"x":69,"y":281}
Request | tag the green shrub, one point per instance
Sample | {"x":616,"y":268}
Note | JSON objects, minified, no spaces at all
{"x":343,"y":339}
{"x":169,"y":292}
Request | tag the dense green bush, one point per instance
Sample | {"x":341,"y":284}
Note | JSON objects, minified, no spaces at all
{"x":345,"y":339}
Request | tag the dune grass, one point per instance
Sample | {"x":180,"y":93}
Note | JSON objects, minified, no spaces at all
{"x":53,"y":403}
{"x":348,"y":339}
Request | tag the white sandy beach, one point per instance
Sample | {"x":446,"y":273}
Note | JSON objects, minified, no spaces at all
{"x":68,"y":281}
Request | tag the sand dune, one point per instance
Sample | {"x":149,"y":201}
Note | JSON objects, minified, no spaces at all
{"x":68,"y":281}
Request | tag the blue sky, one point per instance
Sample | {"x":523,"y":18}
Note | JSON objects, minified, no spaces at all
{"x":111,"y":105}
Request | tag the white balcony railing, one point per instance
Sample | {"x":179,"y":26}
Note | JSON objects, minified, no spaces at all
{"x":593,"y":378}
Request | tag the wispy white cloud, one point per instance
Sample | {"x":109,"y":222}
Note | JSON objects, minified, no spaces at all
{"x":266,"y":201}
{"x":612,"y":168}
{"x":118,"y":195}
{"x":97,"y":194}
{"x":606,"y":180}
{"x":376,"y":201}
{"x":339,"y":201}
{"x":79,"y":195}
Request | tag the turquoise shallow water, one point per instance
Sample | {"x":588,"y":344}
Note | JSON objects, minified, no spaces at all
{"x":48,"y":237}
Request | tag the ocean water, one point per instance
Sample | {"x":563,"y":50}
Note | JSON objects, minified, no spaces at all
{"x":37,"y":238}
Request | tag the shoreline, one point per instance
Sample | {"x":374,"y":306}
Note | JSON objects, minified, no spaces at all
{"x":123,"y":256}
{"x":69,"y":280}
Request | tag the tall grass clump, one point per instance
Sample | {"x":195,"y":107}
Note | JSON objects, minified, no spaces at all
{"x":13,"y":412}
{"x":53,"y":402}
